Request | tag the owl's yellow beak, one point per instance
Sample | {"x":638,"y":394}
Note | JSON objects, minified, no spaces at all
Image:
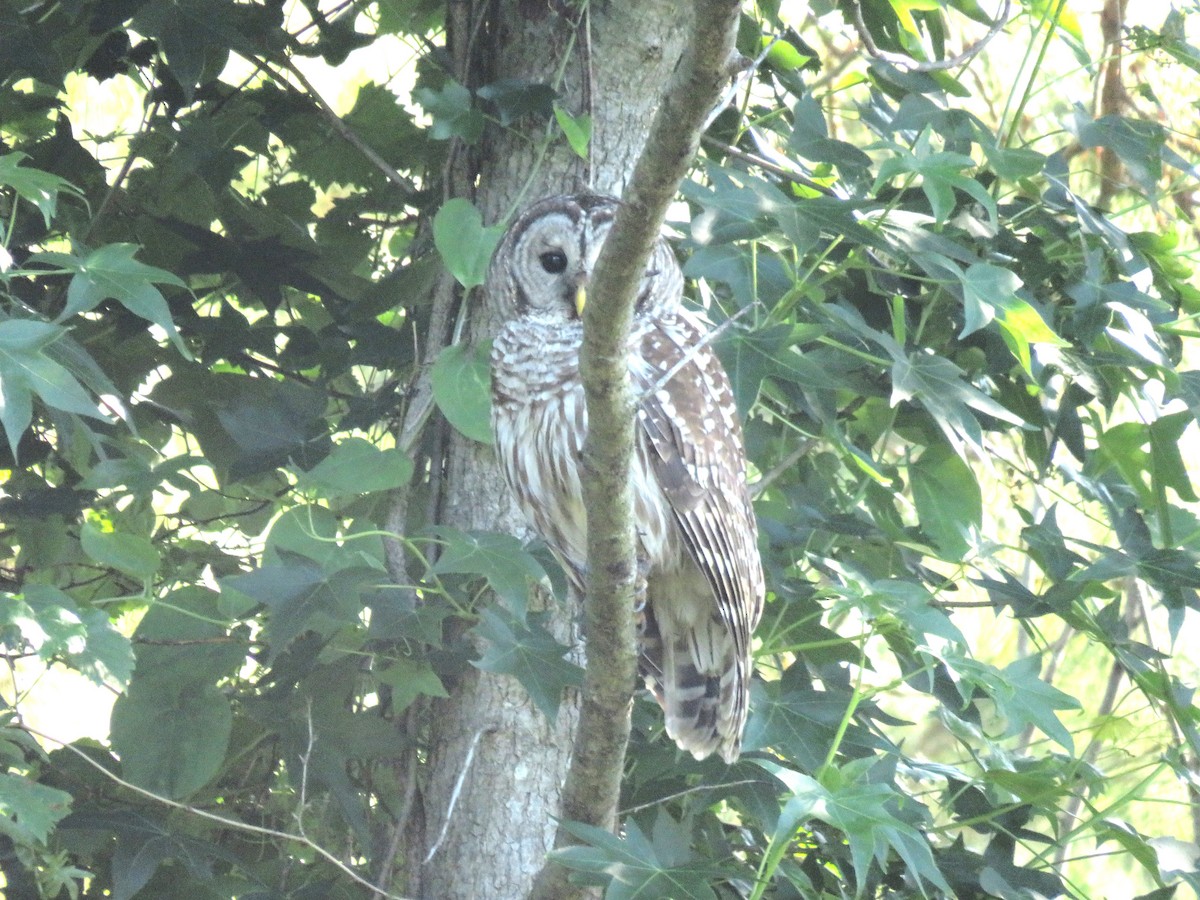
{"x":580,"y":298}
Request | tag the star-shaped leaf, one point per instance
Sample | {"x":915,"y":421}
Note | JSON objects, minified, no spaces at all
{"x":509,"y":568}
{"x":635,"y":866}
{"x":112,"y":272}
{"x":531,"y":655}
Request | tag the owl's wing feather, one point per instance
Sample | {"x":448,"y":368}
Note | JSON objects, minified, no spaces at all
{"x":694,"y":437}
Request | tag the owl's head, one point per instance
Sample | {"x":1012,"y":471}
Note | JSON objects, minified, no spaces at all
{"x":545,"y":261}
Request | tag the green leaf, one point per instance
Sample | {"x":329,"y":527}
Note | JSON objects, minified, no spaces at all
{"x":509,"y":568}
{"x":38,"y":187}
{"x":16,"y":402}
{"x":409,"y":678}
{"x":1166,"y":458}
{"x":356,"y":466}
{"x":454,"y":114}
{"x":799,"y":723}
{"x":1023,"y":697}
{"x":246,"y":426}
{"x":941,"y":173}
{"x":867,"y":813}
{"x":143,"y":844}
{"x":1013,"y":163}
{"x":1172,"y":571}
{"x":310,"y":531}
{"x":948,"y":500}
{"x":112,"y":272}
{"x":385,"y":125}
{"x":914,"y":605}
{"x":58,"y":630}
{"x":634,"y":867}
{"x":531,"y":655}
{"x":461,"y":379}
{"x":465,"y":245}
{"x":1147,"y":470}
{"x":196,"y":37}
{"x":938,"y":385}
{"x":171,"y":735}
{"x":991,"y":292}
{"x":1138,"y":142}
{"x":576,"y":129}
{"x":810,"y":134}
{"x":67,"y":352}
{"x":986,"y":290}
{"x":302,"y":597}
{"x":28,"y":810}
{"x":185,"y":637}
{"x":27,"y":369}
{"x":784,"y":56}
{"x":515,"y":97}
{"x":131,"y":554}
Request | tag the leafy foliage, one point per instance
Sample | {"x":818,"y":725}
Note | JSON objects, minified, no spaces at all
{"x":968,"y":401}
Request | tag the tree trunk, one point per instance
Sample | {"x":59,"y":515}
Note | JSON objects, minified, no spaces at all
{"x":500,"y":824}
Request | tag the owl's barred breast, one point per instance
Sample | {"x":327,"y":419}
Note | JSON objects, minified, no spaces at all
{"x":539,"y":418}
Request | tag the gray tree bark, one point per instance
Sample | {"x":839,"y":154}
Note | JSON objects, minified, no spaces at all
{"x":492,"y":822}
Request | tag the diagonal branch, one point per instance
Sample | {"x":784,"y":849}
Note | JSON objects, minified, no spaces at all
{"x":914,"y":65}
{"x":592,"y":788}
{"x":225,"y":821}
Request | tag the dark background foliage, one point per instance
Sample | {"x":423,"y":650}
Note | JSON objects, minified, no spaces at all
{"x":958,"y":311}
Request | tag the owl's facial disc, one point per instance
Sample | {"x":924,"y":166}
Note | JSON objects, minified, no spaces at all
{"x":557,"y":253}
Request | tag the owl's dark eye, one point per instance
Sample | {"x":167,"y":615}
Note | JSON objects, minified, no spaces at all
{"x":554,"y":261}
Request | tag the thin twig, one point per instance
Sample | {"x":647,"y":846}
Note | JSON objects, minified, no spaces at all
{"x":348,"y":134}
{"x":213,"y":817}
{"x":304,"y":759}
{"x":913,"y":65}
{"x":691,"y":352}
{"x":790,"y":460}
{"x":630,"y":810}
{"x":763,"y":163}
{"x":458,"y":785}
{"x":123,"y":173}
{"x":400,"y":827}
{"x":748,"y":68}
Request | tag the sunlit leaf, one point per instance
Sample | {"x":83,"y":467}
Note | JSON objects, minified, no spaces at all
{"x":57,"y":629}
{"x":464,"y":244}
{"x":576,"y":129}
{"x":42,"y":189}
{"x":28,"y":810}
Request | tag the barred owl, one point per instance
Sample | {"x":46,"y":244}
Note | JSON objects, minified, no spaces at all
{"x":696,"y":531}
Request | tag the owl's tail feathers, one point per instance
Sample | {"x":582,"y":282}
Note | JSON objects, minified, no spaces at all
{"x":702,"y":686}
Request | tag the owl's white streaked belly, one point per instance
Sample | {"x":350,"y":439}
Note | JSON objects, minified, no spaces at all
{"x":539,"y":432}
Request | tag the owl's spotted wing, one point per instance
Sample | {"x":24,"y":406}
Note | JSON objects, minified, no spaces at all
{"x":691,"y":427}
